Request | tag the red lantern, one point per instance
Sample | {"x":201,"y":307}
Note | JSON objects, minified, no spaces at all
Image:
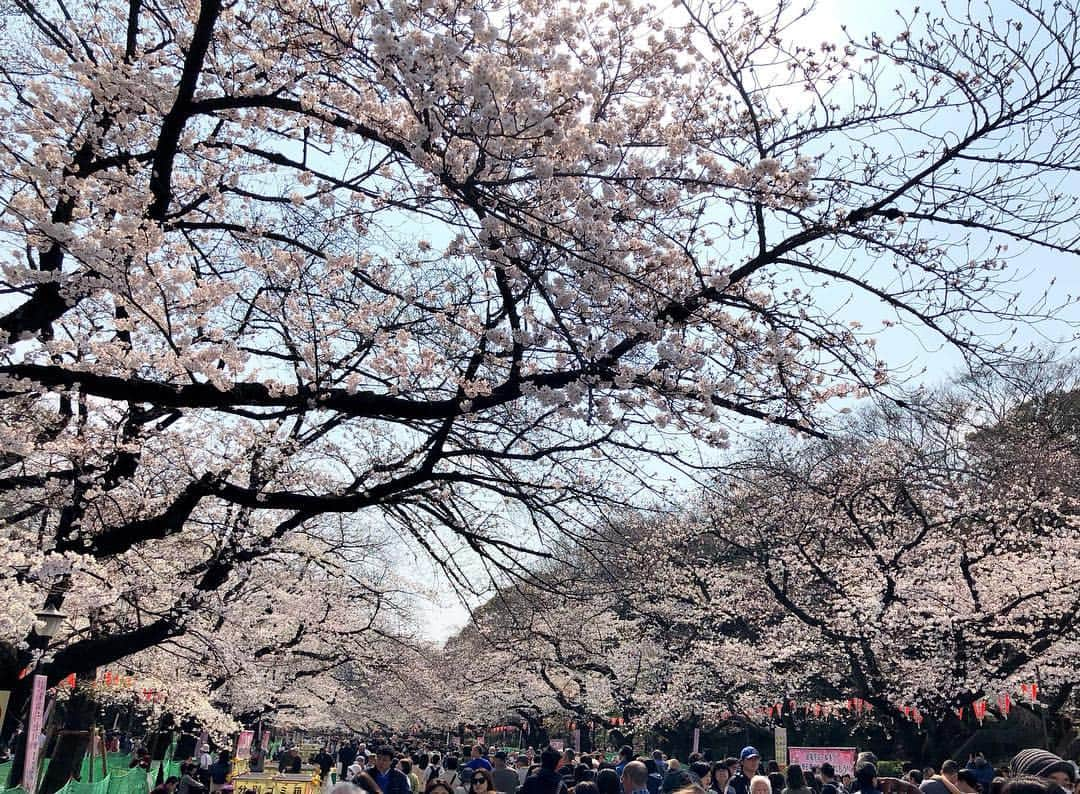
{"x":1004,"y":704}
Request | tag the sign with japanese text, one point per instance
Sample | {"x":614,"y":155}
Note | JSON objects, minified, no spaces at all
{"x":842,"y":758}
{"x":33,"y":733}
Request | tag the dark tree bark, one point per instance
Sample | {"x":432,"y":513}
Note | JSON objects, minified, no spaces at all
{"x":73,"y":740}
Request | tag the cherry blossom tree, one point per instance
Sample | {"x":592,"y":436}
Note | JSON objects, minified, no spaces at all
{"x":917,"y":560}
{"x":451,"y":269}
{"x":926,"y":570}
{"x":529,"y":656}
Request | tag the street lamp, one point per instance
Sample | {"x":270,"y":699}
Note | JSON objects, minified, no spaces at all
{"x":49,"y":620}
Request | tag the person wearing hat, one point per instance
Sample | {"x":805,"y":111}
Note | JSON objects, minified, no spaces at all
{"x":1044,"y":764}
{"x":749,"y":759}
{"x":506,"y":779}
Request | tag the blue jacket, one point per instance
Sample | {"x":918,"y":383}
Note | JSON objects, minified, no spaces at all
{"x":397,"y":781}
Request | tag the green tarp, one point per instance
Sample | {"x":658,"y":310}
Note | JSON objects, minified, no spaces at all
{"x":118,"y":760}
{"x":128,"y":781}
{"x":91,"y":767}
{"x":120,"y":780}
{"x":75,"y":787}
{"x":172,"y":769}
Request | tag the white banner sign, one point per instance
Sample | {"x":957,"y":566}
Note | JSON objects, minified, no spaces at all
{"x":780,"y":742}
{"x":33,"y":733}
{"x":842,"y":758}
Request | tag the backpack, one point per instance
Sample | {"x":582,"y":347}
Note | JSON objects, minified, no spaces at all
{"x":455,"y":783}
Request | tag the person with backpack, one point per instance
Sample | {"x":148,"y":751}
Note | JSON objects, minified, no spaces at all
{"x":434,"y":770}
{"x":452,"y":776}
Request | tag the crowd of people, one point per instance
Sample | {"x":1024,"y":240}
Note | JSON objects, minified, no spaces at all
{"x":552,"y":771}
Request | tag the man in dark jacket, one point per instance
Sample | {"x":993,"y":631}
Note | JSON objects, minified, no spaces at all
{"x":749,"y":759}
{"x":346,"y":754}
{"x":546,"y":780}
{"x":290,"y":762}
{"x":506,"y":780}
{"x":324,"y":761}
{"x":656,"y":780}
{"x":388,"y":779}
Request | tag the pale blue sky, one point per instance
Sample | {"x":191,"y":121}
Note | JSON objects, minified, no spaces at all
{"x":915,"y":353}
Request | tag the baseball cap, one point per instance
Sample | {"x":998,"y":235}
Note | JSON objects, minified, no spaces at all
{"x":749,"y":752}
{"x":501,"y":754}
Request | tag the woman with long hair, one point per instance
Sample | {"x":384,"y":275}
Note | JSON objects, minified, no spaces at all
{"x":436,"y":786}
{"x":366,"y":783}
{"x":796,"y":781}
{"x":719,"y":778}
{"x":481,"y":782}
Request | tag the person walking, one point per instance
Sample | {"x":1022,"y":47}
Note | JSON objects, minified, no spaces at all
{"x":504,"y":779}
{"x":220,"y":771}
{"x":346,"y":754}
{"x":796,"y":781}
{"x":749,"y":760}
{"x":635,"y":778}
{"x":388,"y":779}
{"x":477,"y":759}
{"x":829,"y":782}
{"x":546,"y":780}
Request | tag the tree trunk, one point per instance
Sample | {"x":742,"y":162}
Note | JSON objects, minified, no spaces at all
{"x":72,"y":742}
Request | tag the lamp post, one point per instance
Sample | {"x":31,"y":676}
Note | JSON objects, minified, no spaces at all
{"x":48,"y":623}
{"x":49,"y":619}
